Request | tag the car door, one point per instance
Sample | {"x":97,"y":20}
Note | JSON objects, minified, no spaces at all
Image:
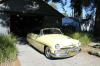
{"x":32,"y":39}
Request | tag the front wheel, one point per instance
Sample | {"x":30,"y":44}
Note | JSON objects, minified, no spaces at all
{"x":48,"y":53}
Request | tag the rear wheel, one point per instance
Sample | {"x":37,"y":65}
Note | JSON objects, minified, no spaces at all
{"x":48,"y":53}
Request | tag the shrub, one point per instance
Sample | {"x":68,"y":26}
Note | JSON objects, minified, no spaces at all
{"x":8,"y":49}
{"x":84,"y":38}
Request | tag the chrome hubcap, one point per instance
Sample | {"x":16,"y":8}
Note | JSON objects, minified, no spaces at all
{"x":47,"y":53}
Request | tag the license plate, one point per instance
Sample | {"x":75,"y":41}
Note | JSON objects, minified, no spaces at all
{"x":71,"y":53}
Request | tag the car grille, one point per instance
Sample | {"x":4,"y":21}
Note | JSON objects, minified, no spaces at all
{"x":67,"y":51}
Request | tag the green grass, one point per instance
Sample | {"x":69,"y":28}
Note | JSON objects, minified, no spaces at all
{"x":84,"y":38}
{"x":8,"y":49}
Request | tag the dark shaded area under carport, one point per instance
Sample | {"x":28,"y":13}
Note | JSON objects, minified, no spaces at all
{"x":21,"y":25}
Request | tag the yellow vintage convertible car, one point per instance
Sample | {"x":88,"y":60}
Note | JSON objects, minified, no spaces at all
{"x":53,"y":43}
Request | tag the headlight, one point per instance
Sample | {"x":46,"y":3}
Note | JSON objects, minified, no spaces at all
{"x":57,"y":46}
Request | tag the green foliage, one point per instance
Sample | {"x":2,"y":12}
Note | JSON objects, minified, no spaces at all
{"x":8,"y":49}
{"x":84,"y":38}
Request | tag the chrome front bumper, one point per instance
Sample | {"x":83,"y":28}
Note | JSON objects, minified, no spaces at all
{"x":66,"y":52}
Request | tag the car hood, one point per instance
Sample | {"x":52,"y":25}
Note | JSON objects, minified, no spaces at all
{"x":53,"y":39}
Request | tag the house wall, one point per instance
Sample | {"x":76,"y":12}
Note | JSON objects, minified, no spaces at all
{"x":51,"y":21}
{"x":4,"y":23}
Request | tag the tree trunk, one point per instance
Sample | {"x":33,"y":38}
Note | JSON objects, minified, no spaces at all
{"x":97,"y":22}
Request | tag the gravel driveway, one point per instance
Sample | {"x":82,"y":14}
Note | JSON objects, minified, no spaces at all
{"x":28,"y":56}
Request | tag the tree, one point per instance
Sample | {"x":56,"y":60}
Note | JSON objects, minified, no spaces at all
{"x":89,"y":14}
{"x":97,"y":21}
{"x":77,"y":6}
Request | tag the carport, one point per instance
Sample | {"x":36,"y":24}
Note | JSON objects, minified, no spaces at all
{"x":31,"y":16}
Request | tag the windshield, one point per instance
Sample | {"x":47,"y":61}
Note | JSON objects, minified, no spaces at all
{"x":52,"y":31}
